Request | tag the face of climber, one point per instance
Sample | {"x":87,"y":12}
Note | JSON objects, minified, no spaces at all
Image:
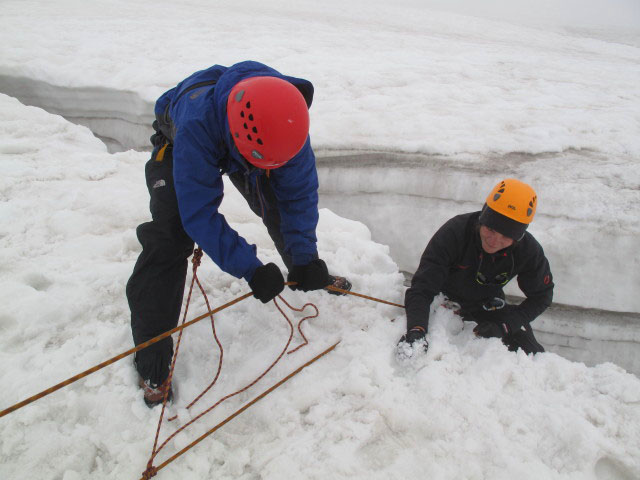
{"x":493,"y":241}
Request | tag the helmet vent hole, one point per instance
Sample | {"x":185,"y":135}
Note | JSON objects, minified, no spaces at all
{"x":245,"y":127}
{"x":259,"y":141}
{"x":254,"y":130}
{"x":249,"y":137}
{"x":251,"y":117}
{"x":242,"y":114}
{"x":248,"y":105}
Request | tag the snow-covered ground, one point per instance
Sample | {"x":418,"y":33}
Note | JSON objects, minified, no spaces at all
{"x":417,"y":114}
{"x":467,"y":409}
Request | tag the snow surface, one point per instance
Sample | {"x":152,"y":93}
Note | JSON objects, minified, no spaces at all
{"x":463,"y":93}
{"x":393,"y":77}
{"x":467,"y":409}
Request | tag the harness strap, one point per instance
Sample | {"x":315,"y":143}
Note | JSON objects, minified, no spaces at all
{"x":160,"y":155}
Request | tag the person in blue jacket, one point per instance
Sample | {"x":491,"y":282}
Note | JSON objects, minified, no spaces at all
{"x":250,"y":122}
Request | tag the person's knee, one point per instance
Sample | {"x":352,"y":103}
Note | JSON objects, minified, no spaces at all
{"x":166,"y":239}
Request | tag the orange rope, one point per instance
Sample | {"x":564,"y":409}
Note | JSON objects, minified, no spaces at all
{"x":106,"y":363}
{"x":197,"y":255}
{"x":154,"y":470}
{"x":151,"y":470}
{"x":215,"y":336}
{"x":348,"y":292}
{"x":168,"y":439}
{"x":148,"y":343}
{"x":305,"y":341}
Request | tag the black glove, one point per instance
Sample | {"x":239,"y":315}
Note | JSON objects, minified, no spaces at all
{"x":312,"y":276}
{"x":413,"y":335}
{"x":405,"y":347}
{"x":491,"y":330}
{"x":512,"y":316}
{"x":267,"y":282}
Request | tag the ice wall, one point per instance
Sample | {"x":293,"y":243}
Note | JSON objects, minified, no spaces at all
{"x":121,"y":119}
{"x":591,"y":336}
{"x":404,"y":198}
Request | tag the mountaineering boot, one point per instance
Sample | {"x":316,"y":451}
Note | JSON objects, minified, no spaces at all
{"x":339,"y":282}
{"x":153,"y":393}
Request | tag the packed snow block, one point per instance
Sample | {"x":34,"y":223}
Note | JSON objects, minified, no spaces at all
{"x":586,"y":220}
{"x":121,"y":119}
{"x":591,"y":336}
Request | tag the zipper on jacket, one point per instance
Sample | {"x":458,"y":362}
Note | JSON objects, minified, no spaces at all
{"x":193,"y":87}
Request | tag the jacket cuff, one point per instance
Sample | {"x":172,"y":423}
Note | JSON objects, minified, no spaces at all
{"x":304,"y":258}
{"x":514,"y":319}
{"x":248,"y":275}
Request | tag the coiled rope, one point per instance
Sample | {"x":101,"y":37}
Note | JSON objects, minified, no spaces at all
{"x":148,"y":343}
{"x":152,"y":470}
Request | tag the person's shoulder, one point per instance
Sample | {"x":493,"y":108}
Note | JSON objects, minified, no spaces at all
{"x":458,"y":227}
{"x":463,"y":222}
{"x":251,"y":68}
{"x":207,"y":75}
{"x":529,"y":245}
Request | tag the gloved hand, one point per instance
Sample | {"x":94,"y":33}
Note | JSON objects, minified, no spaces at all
{"x":267,"y":282}
{"x":491,"y":330}
{"x":512,"y":316}
{"x":312,"y":276}
{"x":414,"y":338}
{"x":413,"y":335}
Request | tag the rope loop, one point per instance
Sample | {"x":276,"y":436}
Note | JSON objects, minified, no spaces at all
{"x":151,"y":471}
{"x":154,"y":340}
{"x":304,"y":338}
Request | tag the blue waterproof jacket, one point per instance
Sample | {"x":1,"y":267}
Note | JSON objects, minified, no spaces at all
{"x":195,"y":115}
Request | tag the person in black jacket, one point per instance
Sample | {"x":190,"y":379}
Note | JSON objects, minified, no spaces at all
{"x":471,"y":258}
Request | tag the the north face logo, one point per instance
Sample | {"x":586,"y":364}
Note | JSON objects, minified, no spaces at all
{"x":159,"y":183}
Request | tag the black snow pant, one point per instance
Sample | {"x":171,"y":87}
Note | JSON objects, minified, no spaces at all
{"x":522,"y":338}
{"x":156,"y":286}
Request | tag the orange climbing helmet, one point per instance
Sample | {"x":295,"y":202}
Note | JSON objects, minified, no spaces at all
{"x":268,"y":119}
{"x":510,"y":208}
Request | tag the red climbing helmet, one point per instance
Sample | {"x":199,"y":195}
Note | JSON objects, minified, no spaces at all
{"x":268,"y":119}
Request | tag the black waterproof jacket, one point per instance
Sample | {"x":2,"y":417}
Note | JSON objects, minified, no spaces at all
{"x":452,"y":260}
